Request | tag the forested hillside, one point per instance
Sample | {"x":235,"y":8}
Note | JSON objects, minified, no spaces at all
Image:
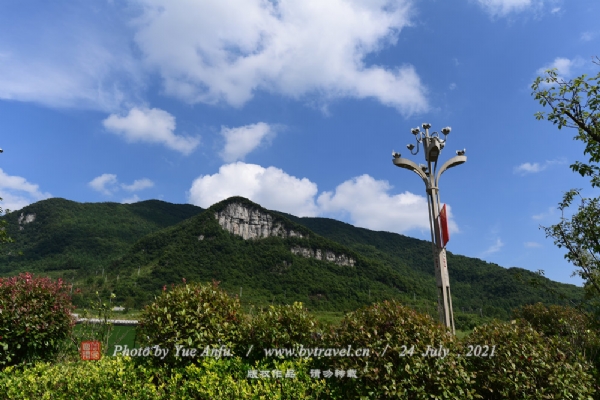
{"x":476,"y":284}
{"x":134,"y":250}
{"x":75,"y":239}
{"x":264,"y":270}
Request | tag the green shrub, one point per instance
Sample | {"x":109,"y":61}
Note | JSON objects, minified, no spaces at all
{"x":527,"y":365}
{"x":466,"y":322}
{"x":228,"y":379}
{"x":119,"y":378}
{"x":574,"y":326}
{"x":35,"y":317}
{"x":286,"y":326}
{"x":390,"y":330}
{"x":192,"y":316}
{"x":108,"y":378}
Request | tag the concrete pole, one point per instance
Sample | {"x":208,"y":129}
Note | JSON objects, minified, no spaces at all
{"x":432,"y":146}
{"x":441,"y":264}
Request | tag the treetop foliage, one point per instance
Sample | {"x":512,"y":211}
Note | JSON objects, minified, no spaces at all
{"x":574,"y":104}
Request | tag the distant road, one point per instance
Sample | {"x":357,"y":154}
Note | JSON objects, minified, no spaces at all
{"x":98,"y":320}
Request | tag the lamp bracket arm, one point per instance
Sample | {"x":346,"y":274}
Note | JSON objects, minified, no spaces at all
{"x":408,"y":164}
{"x":453,"y":162}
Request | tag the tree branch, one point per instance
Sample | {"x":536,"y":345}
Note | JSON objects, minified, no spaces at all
{"x":583,"y":126}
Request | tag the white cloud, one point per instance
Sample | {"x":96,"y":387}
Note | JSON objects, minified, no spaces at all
{"x":564,"y":67}
{"x":242,"y":140}
{"x":364,"y":199}
{"x":150,"y":125}
{"x":587,"y":36}
{"x":528,"y":168}
{"x":369,"y":205}
{"x":108,"y":184}
{"x":101,"y":183}
{"x":62,"y":55}
{"x":225,"y":50}
{"x":538,"y":216}
{"x":138,"y":184}
{"x":84,"y":55}
{"x":550,"y":212}
{"x":129,"y":200}
{"x":270,"y":187}
{"x":16,"y":192}
{"x":502,"y":8}
{"x":532,"y":168}
{"x":494,"y":248}
{"x":452,"y":86}
{"x":532,"y":244}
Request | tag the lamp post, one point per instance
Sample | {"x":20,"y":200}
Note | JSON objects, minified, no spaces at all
{"x":433,"y":146}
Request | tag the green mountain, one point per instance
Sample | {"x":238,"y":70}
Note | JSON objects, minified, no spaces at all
{"x":212,"y":246}
{"x":475,"y":284}
{"x":323,"y":274}
{"x":67,"y":238}
{"x":266,"y":256}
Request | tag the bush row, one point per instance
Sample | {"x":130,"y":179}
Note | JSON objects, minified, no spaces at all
{"x":410,"y":355}
{"x":120,"y":378}
{"x":525,"y":363}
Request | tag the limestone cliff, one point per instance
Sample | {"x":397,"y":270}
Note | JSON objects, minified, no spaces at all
{"x":25,"y":219}
{"x":252,"y":223}
{"x":339,"y":259}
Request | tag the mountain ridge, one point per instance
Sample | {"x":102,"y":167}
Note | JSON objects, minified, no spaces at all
{"x":201,"y":249}
{"x":83,"y":234}
{"x":171,"y":242}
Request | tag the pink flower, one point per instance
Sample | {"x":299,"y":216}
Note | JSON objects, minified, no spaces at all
{"x":164,"y":288}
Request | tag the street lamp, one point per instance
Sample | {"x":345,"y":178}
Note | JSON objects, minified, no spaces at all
{"x":433,"y":146}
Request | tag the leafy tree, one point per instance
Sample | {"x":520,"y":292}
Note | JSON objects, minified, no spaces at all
{"x":4,"y":238}
{"x":576,"y":104}
{"x":581,"y":237}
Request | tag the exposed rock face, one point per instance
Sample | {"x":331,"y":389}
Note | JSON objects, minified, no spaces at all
{"x":251,"y":224}
{"x":254,"y":224}
{"x":340,"y":259}
{"x":25,"y":219}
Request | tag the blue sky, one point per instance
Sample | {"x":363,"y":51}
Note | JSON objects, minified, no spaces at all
{"x":298,"y":105}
